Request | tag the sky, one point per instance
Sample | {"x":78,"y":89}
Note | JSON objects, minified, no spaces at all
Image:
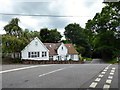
{"x":81,"y":10}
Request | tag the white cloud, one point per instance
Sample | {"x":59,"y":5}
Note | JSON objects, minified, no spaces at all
{"x":6,"y":6}
{"x":83,"y":8}
{"x":79,"y":8}
{"x":2,"y":24}
{"x":28,"y":21}
{"x":33,"y":23}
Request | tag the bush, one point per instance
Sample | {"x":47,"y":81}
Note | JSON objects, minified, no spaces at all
{"x":87,"y":59}
{"x":17,"y":60}
{"x":112,"y":61}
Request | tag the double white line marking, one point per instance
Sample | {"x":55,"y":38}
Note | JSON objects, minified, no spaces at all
{"x":94,"y":84}
{"x":109,"y":80}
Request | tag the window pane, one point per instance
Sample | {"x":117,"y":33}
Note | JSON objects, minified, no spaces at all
{"x":45,"y":54}
{"x":29,"y":54}
{"x":38,"y":54}
{"x":42,"y":54}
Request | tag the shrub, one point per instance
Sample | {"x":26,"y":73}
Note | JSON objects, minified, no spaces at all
{"x":17,"y":60}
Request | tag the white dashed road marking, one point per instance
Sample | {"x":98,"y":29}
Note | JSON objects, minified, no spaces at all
{"x":110,"y":77}
{"x":111,"y":73}
{"x":113,"y":68}
{"x":100,"y":75}
{"x":108,"y":81}
{"x":106,"y":68}
{"x":106,"y":86}
{"x":93,"y":85}
{"x":97,"y":79}
{"x":103,"y":72}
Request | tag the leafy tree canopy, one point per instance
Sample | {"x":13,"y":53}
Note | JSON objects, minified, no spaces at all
{"x":75,"y":34}
{"x":51,"y":36}
{"x":13,"y":28}
{"x":102,"y":32}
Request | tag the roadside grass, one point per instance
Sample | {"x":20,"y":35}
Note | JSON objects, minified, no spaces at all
{"x":112,"y":61}
{"x":87,"y":59}
{"x":84,"y":58}
{"x":17,"y":61}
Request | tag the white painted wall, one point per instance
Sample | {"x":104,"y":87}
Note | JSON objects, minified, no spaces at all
{"x":55,"y":57}
{"x":68,"y":57}
{"x":73,"y":57}
{"x":40,"y":47}
{"x":61,"y":51}
{"x":32,"y":47}
{"x":76,"y":57}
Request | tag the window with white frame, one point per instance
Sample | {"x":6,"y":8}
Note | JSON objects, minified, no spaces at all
{"x":72,"y":56}
{"x":44,"y":54}
{"x":33,"y":54}
{"x":51,"y":57}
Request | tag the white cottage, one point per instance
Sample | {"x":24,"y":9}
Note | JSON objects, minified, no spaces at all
{"x":37,"y":50}
{"x":57,"y":51}
{"x":60,"y":51}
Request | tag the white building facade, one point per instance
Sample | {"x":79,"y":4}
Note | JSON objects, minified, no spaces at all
{"x":36,"y":50}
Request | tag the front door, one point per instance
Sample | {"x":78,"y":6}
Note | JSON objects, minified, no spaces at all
{"x":59,"y":58}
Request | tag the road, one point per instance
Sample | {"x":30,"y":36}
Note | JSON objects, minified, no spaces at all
{"x":97,"y":61}
{"x":60,"y":76}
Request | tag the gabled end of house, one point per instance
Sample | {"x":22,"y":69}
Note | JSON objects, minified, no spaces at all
{"x":36,"y":50}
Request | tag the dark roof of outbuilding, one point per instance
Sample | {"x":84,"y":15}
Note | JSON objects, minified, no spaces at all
{"x":52,"y":47}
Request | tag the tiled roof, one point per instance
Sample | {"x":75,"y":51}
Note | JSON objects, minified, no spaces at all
{"x":52,"y":47}
{"x":71,"y":49}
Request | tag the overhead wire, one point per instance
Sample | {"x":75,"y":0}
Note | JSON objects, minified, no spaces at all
{"x":41,"y":15}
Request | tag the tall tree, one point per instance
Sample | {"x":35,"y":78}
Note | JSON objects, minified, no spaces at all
{"x":54,"y":36}
{"x":30,"y":35}
{"x":11,"y":44}
{"x":13,"y":28}
{"x":102,"y":30}
{"x":51,"y":36}
{"x":75,"y":34}
{"x":44,"y":34}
